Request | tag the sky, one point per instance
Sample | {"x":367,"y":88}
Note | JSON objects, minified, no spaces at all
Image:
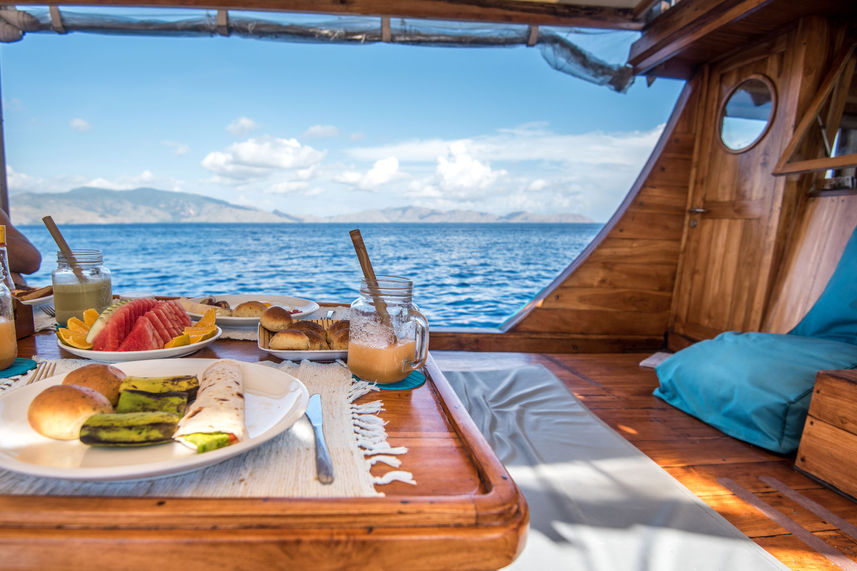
{"x":313,"y":129}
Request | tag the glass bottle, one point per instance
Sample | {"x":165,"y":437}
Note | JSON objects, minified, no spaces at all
{"x":388,"y":335}
{"x":76,"y":291}
{"x":8,"y":338}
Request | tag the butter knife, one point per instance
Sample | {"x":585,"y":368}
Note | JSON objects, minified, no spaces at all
{"x":323,"y":465}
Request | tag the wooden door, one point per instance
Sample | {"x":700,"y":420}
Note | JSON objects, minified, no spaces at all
{"x":731,"y":225}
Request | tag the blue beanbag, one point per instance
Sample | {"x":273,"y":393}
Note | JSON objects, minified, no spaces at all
{"x":753,"y":386}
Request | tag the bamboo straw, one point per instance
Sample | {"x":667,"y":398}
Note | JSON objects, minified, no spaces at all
{"x":372,"y":281}
{"x":64,"y":248}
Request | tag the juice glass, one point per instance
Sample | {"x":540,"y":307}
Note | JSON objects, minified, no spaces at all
{"x":388,"y":335}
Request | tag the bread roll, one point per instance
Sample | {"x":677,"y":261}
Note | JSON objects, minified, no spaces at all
{"x":276,"y":318}
{"x":103,"y":378}
{"x":317,"y":342}
{"x":59,"y":411}
{"x":249,"y":309}
{"x":289,"y":340}
{"x":338,"y":339}
{"x":307,"y":326}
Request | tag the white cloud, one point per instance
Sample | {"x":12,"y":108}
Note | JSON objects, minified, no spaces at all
{"x":459,"y":171}
{"x":257,"y":159}
{"x":241,"y":126}
{"x":80,"y":125}
{"x":21,"y":182}
{"x":528,"y":167}
{"x":382,"y":172}
{"x":178,"y":148}
{"x":321,"y":132}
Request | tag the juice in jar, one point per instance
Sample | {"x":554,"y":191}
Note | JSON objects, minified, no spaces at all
{"x":384,"y":365}
{"x":71,"y":298}
{"x":8,"y":343}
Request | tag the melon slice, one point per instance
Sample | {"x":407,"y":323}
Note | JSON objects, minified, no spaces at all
{"x":158,"y":325}
{"x":142,"y":337}
{"x":168,"y":319}
{"x":175,"y":308}
{"x":103,"y":317}
{"x":120,"y":324}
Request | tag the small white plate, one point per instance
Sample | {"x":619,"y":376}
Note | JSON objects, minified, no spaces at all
{"x":274,"y":401}
{"x":304,"y":307}
{"x":38,"y":300}
{"x":120,"y":356}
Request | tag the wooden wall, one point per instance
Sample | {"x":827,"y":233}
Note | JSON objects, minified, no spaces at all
{"x":616,"y":295}
{"x":754,"y":260}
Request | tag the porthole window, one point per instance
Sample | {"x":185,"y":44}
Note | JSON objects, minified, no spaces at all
{"x":747,"y":113}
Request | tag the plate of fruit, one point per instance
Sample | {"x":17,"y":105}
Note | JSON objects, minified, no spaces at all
{"x":136,"y":330}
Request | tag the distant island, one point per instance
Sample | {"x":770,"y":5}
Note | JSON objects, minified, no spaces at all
{"x":88,"y":205}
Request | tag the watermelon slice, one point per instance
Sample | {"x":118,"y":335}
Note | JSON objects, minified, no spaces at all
{"x":157,"y":324}
{"x":120,"y":324}
{"x":142,"y":337}
{"x":168,"y":319}
{"x":175,"y":308}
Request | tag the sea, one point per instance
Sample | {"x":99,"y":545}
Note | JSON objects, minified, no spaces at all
{"x":464,"y":275}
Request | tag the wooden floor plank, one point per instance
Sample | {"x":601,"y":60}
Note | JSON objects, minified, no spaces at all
{"x":617,"y":390}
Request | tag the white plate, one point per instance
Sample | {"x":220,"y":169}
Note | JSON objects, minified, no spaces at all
{"x":309,"y":355}
{"x":304,"y":307}
{"x":140,"y":355}
{"x":298,"y":355}
{"x":38,"y":300}
{"x":274,"y":400}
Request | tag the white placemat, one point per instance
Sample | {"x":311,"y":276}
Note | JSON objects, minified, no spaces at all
{"x":282,"y":467}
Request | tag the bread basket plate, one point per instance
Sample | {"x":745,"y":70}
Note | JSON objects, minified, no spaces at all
{"x":264,"y":336}
{"x":274,"y":401}
{"x":120,"y":356}
{"x":303,"y":307}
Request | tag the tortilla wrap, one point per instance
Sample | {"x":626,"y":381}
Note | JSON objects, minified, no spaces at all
{"x":219,"y":404}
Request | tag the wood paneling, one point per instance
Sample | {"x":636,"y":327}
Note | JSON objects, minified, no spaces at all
{"x":823,"y":229}
{"x":621,"y":284}
{"x":734,"y":247}
{"x":692,"y":34}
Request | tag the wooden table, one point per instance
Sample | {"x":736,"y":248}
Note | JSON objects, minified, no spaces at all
{"x":464,"y":513}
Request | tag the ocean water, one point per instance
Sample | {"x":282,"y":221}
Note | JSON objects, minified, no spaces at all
{"x":465,"y":275}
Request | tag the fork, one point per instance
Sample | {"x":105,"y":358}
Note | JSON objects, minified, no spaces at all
{"x":43,"y":370}
{"x":49,"y":310}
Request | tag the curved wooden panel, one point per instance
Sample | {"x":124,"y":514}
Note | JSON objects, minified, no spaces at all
{"x":621,"y":284}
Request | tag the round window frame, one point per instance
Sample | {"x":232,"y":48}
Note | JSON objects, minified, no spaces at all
{"x":720,"y":114}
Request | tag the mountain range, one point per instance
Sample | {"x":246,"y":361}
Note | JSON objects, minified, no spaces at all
{"x":88,"y":205}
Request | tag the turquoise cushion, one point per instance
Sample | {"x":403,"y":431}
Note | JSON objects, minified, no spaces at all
{"x":753,"y":386}
{"x":834,"y":315}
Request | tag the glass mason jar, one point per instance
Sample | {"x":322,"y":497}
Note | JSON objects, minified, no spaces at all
{"x":8,"y":338}
{"x":388,"y":335}
{"x":76,"y":291}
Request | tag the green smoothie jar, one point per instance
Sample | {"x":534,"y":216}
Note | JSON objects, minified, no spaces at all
{"x":80,"y":285}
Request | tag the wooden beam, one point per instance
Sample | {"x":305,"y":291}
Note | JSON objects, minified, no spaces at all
{"x":684,"y":24}
{"x":542,"y":12}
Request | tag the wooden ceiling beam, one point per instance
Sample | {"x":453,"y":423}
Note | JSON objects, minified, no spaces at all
{"x":682,"y":25}
{"x":541,"y":12}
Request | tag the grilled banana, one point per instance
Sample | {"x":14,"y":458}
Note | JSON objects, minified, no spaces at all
{"x":131,"y":400}
{"x":187,"y":384}
{"x":129,"y":429}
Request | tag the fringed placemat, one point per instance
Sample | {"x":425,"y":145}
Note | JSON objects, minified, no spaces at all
{"x":282,"y":467}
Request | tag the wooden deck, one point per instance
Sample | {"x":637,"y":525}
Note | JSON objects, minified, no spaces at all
{"x":757,"y":491}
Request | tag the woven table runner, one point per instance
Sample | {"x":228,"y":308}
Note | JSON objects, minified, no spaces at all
{"x":281,"y":467}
